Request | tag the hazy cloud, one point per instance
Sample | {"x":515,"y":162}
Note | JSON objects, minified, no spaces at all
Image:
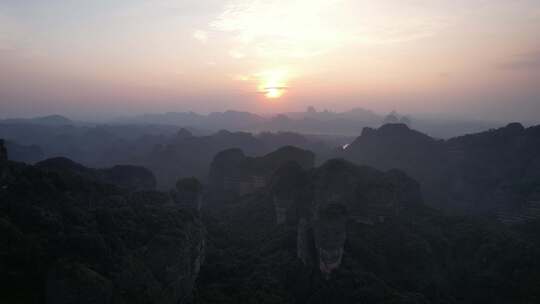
{"x":305,"y":28}
{"x":201,"y":36}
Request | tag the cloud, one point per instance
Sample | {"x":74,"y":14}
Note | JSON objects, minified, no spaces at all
{"x":307,"y":28}
{"x":237,"y":54}
{"x":201,"y":36}
{"x":522,"y":62}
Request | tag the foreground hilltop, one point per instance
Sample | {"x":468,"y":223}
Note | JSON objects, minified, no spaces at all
{"x":342,"y":233}
{"x":68,"y":237}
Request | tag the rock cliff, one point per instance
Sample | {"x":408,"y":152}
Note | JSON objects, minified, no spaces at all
{"x":322,"y":201}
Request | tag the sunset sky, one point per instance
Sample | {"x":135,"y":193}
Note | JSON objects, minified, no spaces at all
{"x":104,"y":58}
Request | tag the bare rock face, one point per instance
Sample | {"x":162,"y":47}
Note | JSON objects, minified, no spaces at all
{"x":330,"y":235}
{"x":321,"y":202}
{"x":80,"y":241}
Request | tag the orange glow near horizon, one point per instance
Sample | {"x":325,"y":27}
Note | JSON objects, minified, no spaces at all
{"x":273,"y":93}
{"x":273,"y":82}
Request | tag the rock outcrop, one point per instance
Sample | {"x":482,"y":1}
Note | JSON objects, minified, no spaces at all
{"x":190,"y":156}
{"x":70,"y":239}
{"x":322,"y":201}
{"x":234,"y":174}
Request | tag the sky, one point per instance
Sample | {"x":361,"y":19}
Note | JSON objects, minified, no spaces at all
{"x":474,"y":59}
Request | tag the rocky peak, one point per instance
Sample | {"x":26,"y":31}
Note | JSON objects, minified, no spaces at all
{"x":230,"y":155}
{"x":184,"y":133}
{"x":393,"y":130}
{"x":305,"y":158}
{"x":236,"y":174}
{"x":513,"y":129}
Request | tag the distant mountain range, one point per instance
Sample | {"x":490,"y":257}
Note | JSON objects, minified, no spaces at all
{"x":311,"y":121}
{"x":42,"y":120}
{"x":496,"y":171}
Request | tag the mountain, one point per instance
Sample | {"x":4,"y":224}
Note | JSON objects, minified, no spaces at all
{"x":123,"y":176}
{"x":335,"y":233}
{"x":232,"y":120}
{"x":342,"y":233}
{"x":51,"y":120}
{"x":22,"y":153}
{"x":65,"y":238}
{"x":186,"y":155}
{"x":233,"y":174}
{"x":100,"y":145}
{"x":190,"y":156}
{"x":332,"y":195}
{"x":485,"y":173}
{"x":357,"y":114}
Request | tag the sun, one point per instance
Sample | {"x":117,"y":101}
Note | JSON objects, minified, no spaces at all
{"x":273,"y":93}
{"x":273,"y":82}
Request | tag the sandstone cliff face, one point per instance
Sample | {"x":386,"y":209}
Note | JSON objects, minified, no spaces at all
{"x":330,"y":235}
{"x":321,"y":202}
{"x":73,"y":240}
